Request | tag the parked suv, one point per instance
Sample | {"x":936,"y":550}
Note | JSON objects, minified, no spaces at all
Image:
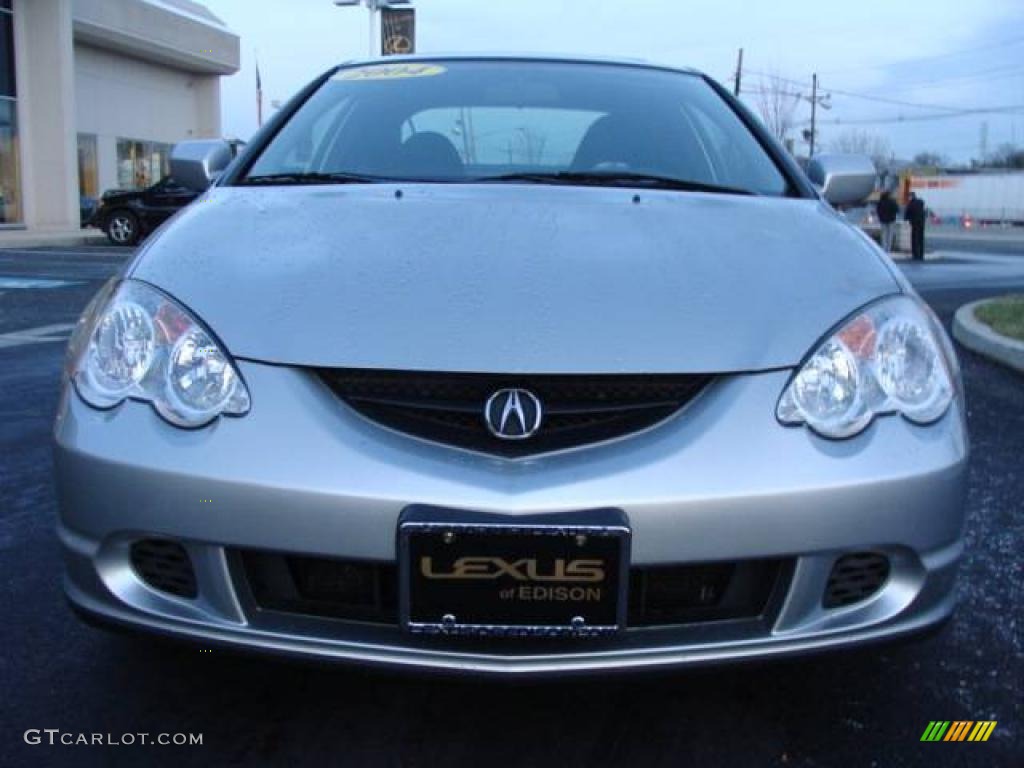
{"x":128,"y":215}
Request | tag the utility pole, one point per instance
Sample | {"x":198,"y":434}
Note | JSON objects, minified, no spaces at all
{"x":811,"y":134}
{"x":814,"y":112}
{"x":739,"y":74}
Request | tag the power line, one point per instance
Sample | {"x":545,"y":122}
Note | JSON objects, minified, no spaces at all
{"x":780,"y":78}
{"x":759,"y":91}
{"x":997,"y":73}
{"x":938,"y":57}
{"x":897,"y":102}
{"x":865,"y":96}
{"x":1003,"y":110}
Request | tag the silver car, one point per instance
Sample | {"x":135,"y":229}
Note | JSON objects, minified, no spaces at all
{"x":515,"y":366}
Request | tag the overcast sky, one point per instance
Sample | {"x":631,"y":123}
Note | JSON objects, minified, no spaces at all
{"x":945,"y":54}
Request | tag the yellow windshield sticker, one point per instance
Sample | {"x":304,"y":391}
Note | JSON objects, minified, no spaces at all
{"x":390,"y":72}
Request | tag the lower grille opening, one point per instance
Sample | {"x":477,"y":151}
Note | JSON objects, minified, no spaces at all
{"x":356,"y":590}
{"x":686,"y":594}
{"x":164,"y":565}
{"x":855,"y":577}
{"x":368,"y":591}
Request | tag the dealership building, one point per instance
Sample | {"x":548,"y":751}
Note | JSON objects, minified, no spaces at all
{"x":93,"y":94}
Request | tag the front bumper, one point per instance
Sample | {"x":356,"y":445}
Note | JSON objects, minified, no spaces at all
{"x":303,"y":474}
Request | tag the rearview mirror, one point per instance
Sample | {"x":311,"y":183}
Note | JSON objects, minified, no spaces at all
{"x":843,"y":179}
{"x":196,"y":164}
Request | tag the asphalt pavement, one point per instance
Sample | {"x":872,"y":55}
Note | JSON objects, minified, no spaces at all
{"x":866,"y":708}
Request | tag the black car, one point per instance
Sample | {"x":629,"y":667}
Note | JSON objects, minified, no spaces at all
{"x":128,"y":215}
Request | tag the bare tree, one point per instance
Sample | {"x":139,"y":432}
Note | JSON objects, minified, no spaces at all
{"x":1006,"y":156}
{"x":930,"y":160}
{"x":776,"y":102}
{"x":856,"y":142}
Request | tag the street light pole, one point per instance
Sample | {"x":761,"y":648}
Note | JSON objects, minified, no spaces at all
{"x":372,"y":7}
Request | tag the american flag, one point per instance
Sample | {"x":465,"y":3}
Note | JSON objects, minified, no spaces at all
{"x":259,"y":96}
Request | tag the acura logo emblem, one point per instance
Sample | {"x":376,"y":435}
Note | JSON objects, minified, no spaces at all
{"x":513,"y":414}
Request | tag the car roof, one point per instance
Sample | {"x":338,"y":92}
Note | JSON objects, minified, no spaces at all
{"x":531,"y":57}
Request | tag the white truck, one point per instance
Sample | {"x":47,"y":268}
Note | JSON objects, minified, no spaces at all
{"x":972,"y":199}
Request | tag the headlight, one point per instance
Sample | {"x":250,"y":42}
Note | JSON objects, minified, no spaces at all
{"x":138,"y":343}
{"x":889,"y":358}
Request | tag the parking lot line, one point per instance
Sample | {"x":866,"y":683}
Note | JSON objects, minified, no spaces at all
{"x":38,"y":335}
{"x":32,"y":283}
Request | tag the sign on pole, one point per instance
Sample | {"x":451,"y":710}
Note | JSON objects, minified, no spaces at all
{"x":397,"y":31}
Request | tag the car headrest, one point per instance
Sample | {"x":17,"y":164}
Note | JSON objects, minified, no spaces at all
{"x":612,"y":140}
{"x":429,"y":155}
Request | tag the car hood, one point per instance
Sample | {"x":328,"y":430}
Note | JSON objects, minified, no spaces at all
{"x":514,"y":278}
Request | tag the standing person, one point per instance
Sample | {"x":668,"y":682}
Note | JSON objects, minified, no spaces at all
{"x":888,"y":211}
{"x":915,"y":214}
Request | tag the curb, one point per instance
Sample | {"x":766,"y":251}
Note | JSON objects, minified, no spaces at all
{"x":901,"y":257}
{"x":35,"y":239}
{"x":977,"y":336}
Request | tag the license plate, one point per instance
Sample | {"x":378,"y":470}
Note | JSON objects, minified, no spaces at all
{"x":476,"y":574}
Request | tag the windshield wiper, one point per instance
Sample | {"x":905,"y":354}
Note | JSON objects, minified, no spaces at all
{"x":312,"y":178}
{"x":613,"y":179}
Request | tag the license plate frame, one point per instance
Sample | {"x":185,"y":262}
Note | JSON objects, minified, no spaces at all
{"x":519,"y":551}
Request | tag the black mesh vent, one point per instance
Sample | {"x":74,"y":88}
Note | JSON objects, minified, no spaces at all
{"x":164,"y":565}
{"x":356,"y":590}
{"x":683,"y":594}
{"x":449,"y":408}
{"x":855,"y":577}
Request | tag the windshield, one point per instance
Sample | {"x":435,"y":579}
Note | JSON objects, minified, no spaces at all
{"x":517,"y":121}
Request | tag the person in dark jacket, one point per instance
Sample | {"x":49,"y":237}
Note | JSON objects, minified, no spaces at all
{"x":888,"y":211}
{"x":915,"y":214}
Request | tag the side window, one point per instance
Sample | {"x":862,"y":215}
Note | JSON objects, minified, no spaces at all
{"x":172,"y":187}
{"x":166,"y":186}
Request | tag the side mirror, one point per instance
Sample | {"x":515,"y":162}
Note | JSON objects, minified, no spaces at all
{"x":197,"y":164}
{"x":843,"y":179}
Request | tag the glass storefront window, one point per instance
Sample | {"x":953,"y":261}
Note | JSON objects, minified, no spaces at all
{"x":10,"y":177}
{"x":10,"y":182}
{"x":141,"y":164}
{"x":88,"y":167}
{"x":7,"y":87}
